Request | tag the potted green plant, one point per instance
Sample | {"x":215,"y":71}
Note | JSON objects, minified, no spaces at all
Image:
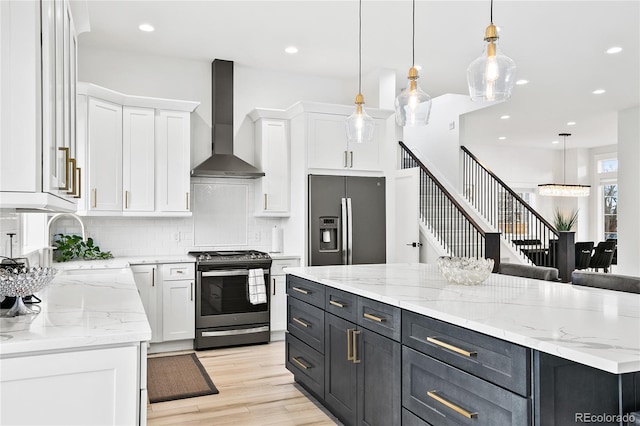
{"x":71,"y":247}
{"x":564,"y":222}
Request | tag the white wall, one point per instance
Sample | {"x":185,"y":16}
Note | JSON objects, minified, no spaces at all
{"x":629,"y":191}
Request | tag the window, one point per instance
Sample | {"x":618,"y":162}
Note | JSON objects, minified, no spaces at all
{"x":608,"y":165}
{"x":610,"y":203}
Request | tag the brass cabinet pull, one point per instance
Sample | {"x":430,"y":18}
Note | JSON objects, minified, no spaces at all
{"x":354,"y":335}
{"x":300,"y":290}
{"x":345,"y":158}
{"x":351,"y":152}
{"x":373,"y":317}
{"x":126,"y":199}
{"x":334,"y":303}
{"x":66,"y":168}
{"x":434,"y":394}
{"x":274,"y":286}
{"x":451,"y":347}
{"x":349,"y":344}
{"x":79,"y":194}
{"x":300,"y":363}
{"x":187,"y":194}
{"x":72,"y":162}
{"x":95,"y":197}
{"x":265,"y":201}
{"x":192,"y":291}
{"x":299,"y":321}
{"x":153,"y":277}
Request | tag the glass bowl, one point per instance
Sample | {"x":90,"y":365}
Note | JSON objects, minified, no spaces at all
{"x":19,"y":282}
{"x":465,"y":270}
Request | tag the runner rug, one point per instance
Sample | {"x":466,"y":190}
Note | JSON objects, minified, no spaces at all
{"x":177,"y":377}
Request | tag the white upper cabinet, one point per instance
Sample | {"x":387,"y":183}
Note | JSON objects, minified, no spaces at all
{"x":138,"y":152}
{"x":39,"y":168}
{"x":105,"y":156}
{"x":272,"y":156}
{"x":138,"y":159}
{"x":173,"y":165}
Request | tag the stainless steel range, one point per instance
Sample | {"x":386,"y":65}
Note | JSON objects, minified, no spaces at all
{"x":231,"y":308}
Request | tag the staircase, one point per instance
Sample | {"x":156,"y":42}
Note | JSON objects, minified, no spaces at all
{"x":448,"y":222}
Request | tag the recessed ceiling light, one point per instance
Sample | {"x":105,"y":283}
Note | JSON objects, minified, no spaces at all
{"x":598,"y":91}
{"x":505,"y":117}
{"x":571,"y":123}
{"x":502,"y":138}
{"x":522,"y":82}
{"x":147,"y":28}
{"x":291,"y":50}
{"x":555,"y":142}
{"x":614,"y":49}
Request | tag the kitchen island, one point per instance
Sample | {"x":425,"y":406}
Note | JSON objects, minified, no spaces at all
{"x":509,"y":351}
{"x":82,"y":359}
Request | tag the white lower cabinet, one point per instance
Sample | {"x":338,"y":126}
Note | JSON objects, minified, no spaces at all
{"x":167,"y":294}
{"x":279,"y":296}
{"x":96,"y":386}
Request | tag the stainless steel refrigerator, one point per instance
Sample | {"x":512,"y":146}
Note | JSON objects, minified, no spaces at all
{"x":347,"y":220}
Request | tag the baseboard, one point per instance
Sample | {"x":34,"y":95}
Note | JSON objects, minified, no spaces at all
{"x":177,"y":345}
{"x":277,"y":336}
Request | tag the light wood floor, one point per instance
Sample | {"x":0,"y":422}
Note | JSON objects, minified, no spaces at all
{"x":255,"y":389}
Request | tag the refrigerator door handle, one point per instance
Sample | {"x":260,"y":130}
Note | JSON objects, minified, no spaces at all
{"x":350,"y":233}
{"x":343,"y":203}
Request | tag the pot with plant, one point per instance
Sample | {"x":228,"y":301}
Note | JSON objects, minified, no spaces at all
{"x":72,"y":247}
{"x":564,"y":223}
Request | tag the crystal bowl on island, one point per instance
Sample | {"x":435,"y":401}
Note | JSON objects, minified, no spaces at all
{"x":465,"y":270}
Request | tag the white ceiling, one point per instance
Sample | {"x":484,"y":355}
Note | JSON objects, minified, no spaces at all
{"x":559,"y":46}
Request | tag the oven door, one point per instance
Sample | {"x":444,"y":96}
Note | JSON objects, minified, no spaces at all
{"x":222,"y":299}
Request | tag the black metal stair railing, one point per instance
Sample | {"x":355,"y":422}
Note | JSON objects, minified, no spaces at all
{"x":508,"y":212}
{"x":448,"y":221}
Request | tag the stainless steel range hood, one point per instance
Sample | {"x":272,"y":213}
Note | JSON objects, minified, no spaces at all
{"x":222,"y":162}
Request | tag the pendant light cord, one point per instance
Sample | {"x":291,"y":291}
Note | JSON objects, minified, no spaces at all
{"x":413,"y":35}
{"x":491,"y":17}
{"x":564,"y":160}
{"x":360,"y":47}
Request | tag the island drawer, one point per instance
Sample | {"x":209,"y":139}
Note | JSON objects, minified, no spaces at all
{"x":379,"y":317}
{"x":306,"y":322}
{"x":441,"y":394}
{"x":306,"y":364}
{"x":502,"y":363}
{"x":306,"y":290}
{"x":341,"y":303}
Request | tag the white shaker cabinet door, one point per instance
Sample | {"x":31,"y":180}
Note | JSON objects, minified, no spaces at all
{"x":138,"y":159}
{"x":178,"y":310}
{"x":105,"y":156}
{"x":272,"y":151}
{"x":173,"y":161}
{"x":148,"y":283}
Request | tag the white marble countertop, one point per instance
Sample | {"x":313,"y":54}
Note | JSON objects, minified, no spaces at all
{"x":79,"y":309}
{"x":122,"y":262}
{"x":595,"y":327}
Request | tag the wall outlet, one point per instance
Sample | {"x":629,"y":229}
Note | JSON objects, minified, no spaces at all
{"x":256,"y":237}
{"x":176,"y":236}
{"x":452,"y":125}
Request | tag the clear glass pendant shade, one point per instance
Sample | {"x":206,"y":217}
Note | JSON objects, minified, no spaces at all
{"x":359,"y":125}
{"x":413,"y":105}
{"x":491,"y":77}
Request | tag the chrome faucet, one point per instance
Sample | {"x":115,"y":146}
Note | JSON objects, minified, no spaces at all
{"x":47,"y":257}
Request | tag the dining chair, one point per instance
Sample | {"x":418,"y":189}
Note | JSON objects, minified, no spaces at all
{"x":603,"y":256}
{"x":584,"y":250}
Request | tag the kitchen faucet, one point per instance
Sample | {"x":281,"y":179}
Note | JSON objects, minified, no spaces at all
{"x":48,"y":251}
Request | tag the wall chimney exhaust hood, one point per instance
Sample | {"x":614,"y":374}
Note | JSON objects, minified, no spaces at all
{"x":222,"y":162}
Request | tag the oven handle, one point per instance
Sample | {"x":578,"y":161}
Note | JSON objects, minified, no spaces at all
{"x":225,"y":273}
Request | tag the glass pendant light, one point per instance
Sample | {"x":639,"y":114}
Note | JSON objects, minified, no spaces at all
{"x":359,"y":124}
{"x":413,"y":105}
{"x":491,"y":76}
{"x":564,"y":189}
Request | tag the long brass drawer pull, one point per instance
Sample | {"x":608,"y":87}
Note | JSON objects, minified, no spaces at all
{"x":72,"y":177}
{"x":302,"y":323}
{"x":355,"y":346}
{"x":79,"y":194}
{"x":434,"y":394}
{"x":373,"y":317}
{"x":451,"y":347}
{"x":300,"y":363}
{"x":334,"y":303}
{"x":300,"y":290}
{"x":350,"y":344}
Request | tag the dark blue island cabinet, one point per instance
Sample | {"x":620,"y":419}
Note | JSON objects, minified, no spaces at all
{"x":372,"y":363}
